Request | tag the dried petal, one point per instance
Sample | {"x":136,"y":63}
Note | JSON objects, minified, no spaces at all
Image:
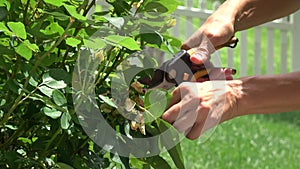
{"x":129,"y":104}
{"x":142,"y":129}
{"x":134,"y":125}
{"x":137,"y":87}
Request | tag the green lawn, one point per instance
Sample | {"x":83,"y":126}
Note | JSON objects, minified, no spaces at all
{"x":254,"y":141}
{"x":249,"y":142}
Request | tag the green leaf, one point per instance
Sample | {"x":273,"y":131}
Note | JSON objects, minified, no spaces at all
{"x":116,"y":21}
{"x":33,"y":82}
{"x":53,"y":113}
{"x":18,"y":29}
{"x":46,"y":90}
{"x":172,"y":136}
{"x":24,"y":51}
{"x":63,"y":166}
{"x":158,"y":162}
{"x":25,"y":140}
{"x":58,"y":15}
{"x":177,"y":157}
{"x":156,"y":102}
{"x":53,"y":83}
{"x":65,"y":120}
{"x":171,"y":5}
{"x":95,"y":43}
{"x":31,"y":46}
{"x":72,"y":11}
{"x":55,"y":2}
{"x":124,"y":41}
{"x":73,"y":42}
{"x":59,"y":98}
{"x":3,"y":27}
{"x":108,"y":101}
{"x":52,"y":29}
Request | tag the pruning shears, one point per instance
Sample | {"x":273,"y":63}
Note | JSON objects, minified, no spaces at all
{"x":178,"y":69}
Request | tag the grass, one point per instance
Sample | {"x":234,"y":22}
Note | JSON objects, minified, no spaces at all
{"x":254,"y":141}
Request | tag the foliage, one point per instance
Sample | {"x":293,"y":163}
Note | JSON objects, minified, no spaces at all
{"x":40,"y":42}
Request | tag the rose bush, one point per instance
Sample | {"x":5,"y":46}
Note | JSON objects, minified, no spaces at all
{"x":41,"y":42}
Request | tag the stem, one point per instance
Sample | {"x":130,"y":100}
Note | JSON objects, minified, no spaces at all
{"x":78,"y":27}
{"x":35,"y":10}
{"x":18,"y":132}
{"x":25,"y":12}
{"x":101,"y":80}
{"x":51,"y":140}
{"x":82,"y":145}
{"x":38,"y":62}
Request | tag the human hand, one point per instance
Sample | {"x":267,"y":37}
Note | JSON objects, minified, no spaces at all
{"x":197,"y":107}
{"x":217,"y":30}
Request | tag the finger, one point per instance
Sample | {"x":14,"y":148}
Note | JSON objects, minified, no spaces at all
{"x":185,"y":121}
{"x":195,"y":131}
{"x":176,"y":97}
{"x":204,"y":123}
{"x":172,"y":113}
{"x":199,"y":55}
{"x":217,"y":74}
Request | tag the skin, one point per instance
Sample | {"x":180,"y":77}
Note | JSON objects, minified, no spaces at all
{"x":197,"y":107}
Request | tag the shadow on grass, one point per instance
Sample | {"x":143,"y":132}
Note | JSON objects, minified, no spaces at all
{"x":290,"y":117}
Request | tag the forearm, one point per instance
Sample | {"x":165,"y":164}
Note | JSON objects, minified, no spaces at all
{"x":249,"y":13}
{"x":270,"y":94}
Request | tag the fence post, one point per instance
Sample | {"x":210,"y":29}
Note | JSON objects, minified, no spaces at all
{"x":296,"y":41}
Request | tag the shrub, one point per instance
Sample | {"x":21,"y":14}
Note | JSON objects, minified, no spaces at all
{"x":42,"y":42}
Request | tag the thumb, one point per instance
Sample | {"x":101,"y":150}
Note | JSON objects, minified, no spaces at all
{"x":199,"y":55}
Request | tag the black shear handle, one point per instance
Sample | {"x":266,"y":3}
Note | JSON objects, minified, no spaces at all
{"x":178,"y":69}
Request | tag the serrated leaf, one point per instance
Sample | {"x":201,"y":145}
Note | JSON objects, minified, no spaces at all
{"x":59,"y":98}
{"x":24,"y":51}
{"x":65,"y":120}
{"x":73,"y":42}
{"x":108,"y":101}
{"x":53,"y":113}
{"x":72,"y":11}
{"x":57,"y":3}
{"x":124,"y":41}
{"x":18,"y":29}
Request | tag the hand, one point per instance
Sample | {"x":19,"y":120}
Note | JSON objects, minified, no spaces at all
{"x":216,"y":31}
{"x":197,"y":107}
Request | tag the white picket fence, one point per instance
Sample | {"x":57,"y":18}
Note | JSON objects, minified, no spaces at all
{"x":271,"y":48}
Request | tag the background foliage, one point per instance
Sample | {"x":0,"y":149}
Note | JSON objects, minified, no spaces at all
{"x":40,"y":42}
